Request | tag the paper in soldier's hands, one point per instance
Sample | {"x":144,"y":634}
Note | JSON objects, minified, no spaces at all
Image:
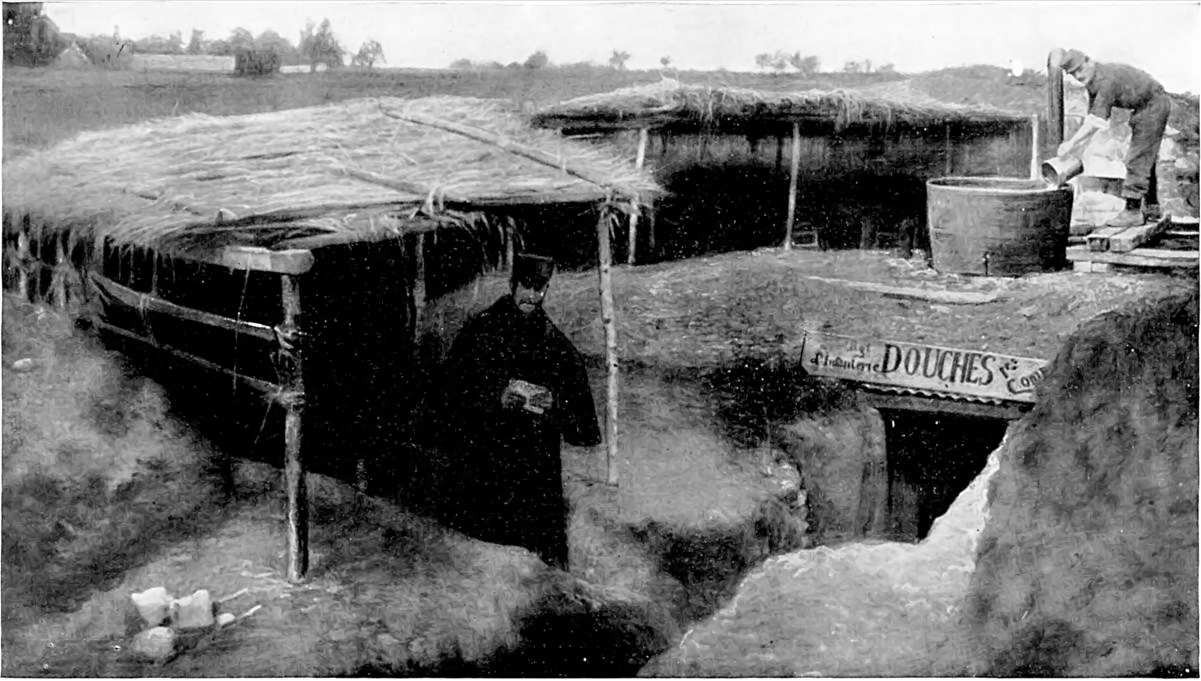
{"x":534,"y":398}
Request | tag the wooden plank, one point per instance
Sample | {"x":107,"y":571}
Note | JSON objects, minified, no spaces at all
{"x":933,"y":295}
{"x":1140,"y":257}
{"x":1134,"y":237}
{"x":267,"y":390}
{"x":140,"y":300}
{"x":974,"y":373}
{"x":293,"y":261}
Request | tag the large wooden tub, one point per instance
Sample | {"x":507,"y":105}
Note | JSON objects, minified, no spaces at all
{"x":997,"y":226}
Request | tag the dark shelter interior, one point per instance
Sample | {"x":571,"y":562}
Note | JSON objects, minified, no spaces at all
{"x":728,"y":191}
{"x":932,"y":457}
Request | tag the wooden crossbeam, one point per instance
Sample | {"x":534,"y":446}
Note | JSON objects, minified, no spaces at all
{"x":268,"y":391}
{"x":137,"y":299}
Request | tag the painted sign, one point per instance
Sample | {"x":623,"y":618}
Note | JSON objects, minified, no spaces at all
{"x":927,"y":367}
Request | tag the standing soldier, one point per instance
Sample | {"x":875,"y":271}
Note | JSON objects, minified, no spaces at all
{"x":1119,"y":85}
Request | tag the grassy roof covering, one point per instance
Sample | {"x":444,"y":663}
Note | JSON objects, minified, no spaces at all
{"x":356,"y":168}
{"x":681,"y":106}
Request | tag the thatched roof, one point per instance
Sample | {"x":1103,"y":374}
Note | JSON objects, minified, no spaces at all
{"x":360,"y":168}
{"x":683,"y":107}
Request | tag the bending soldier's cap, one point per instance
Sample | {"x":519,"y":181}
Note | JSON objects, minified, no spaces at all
{"x":532,"y":271}
{"x":1073,"y":60}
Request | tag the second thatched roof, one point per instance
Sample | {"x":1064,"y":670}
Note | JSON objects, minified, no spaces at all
{"x":683,"y":107}
{"x":354,"y":168}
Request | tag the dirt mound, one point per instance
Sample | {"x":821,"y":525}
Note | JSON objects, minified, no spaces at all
{"x":867,"y":609}
{"x":96,"y":471}
{"x":1088,"y":565}
{"x":107,"y":492}
{"x":714,"y":311}
{"x":1087,"y":543}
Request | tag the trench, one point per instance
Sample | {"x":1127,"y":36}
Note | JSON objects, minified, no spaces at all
{"x":930,"y":458}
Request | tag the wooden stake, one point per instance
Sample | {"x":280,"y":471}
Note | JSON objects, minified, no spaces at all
{"x":643,"y":135}
{"x":947,"y":149}
{"x":291,"y":363}
{"x":792,"y":181}
{"x":609,"y":320}
{"x":1034,"y":165}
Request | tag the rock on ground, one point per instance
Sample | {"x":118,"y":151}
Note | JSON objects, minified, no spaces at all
{"x":1088,"y":564}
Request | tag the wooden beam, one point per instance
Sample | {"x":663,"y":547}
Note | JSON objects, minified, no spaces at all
{"x":264,"y":260}
{"x":609,"y":321}
{"x":266,"y":390}
{"x":793,"y":170}
{"x":292,"y":370}
{"x":1134,"y":237}
{"x":639,"y":160}
{"x":487,"y":137}
{"x":1141,"y":257}
{"x":1098,"y":239}
{"x":137,"y":299}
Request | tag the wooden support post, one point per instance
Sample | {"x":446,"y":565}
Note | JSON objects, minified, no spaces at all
{"x":23,"y":261}
{"x":1054,"y":98}
{"x":639,"y":160}
{"x":292,"y":398}
{"x":58,"y":279}
{"x":609,"y":320}
{"x":419,"y":280}
{"x":650,"y":228}
{"x":793,"y":169}
{"x":1034,"y":164}
{"x":947,"y":150}
{"x":510,"y":247}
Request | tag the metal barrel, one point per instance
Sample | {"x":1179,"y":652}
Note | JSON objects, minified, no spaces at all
{"x":997,"y":226}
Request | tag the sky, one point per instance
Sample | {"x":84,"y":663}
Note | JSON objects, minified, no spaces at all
{"x":1162,"y":38}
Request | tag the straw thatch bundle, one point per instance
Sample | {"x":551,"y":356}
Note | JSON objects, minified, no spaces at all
{"x":360,"y":167}
{"x":670,"y":103}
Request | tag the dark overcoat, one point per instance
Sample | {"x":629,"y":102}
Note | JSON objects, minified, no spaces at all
{"x":506,"y":485}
